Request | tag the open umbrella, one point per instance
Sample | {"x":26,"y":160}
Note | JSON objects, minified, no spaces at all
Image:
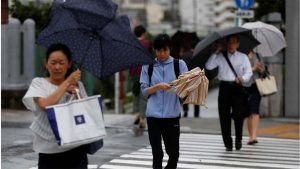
{"x":203,"y":49}
{"x":101,"y":49}
{"x":271,"y":39}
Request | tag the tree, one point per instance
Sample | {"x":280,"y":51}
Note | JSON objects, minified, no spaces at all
{"x":39,"y":13}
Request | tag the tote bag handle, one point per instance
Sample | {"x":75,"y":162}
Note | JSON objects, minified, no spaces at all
{"x":76,"y":94}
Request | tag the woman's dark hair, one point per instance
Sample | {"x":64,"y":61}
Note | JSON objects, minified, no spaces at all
{"x":139,"y":30}
{"x":162,"y":41}
{"x":65,"y":50}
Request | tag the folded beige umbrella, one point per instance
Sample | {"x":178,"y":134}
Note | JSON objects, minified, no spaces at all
{"x":193,"y":86}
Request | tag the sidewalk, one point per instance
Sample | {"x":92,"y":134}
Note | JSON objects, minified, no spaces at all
{"x":207,"y":123}
{"x":269,"y":127}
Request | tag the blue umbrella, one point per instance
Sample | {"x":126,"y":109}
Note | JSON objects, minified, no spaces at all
{"x":101,"y":49}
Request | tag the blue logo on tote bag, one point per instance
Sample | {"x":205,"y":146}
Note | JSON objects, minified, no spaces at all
{"x":79,"y":119}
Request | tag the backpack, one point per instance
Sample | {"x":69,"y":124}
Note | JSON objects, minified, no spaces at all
{"x":176,"y":70}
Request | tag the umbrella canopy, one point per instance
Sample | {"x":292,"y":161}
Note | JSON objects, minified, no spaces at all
{"x":192,"y":86}
{"x":101,"y":49}
{"x":92,"y":13}
{"x":271,"y":39}
{"x":203,"y":49}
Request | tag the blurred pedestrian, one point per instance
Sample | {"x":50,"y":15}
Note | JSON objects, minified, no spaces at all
{"x":57,"y":87}
{"x":163,"y":107}
{"x":139,"y":102}
{"x":188,"y":46}
{"x":254,"y":97}
{"x":232,"y":99}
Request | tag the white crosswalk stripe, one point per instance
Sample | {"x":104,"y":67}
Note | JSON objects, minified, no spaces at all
{"x":202,"y":151}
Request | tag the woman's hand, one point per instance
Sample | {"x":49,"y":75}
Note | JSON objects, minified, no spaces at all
{"x":257,"y":66}
{"x":159,"y":86}
{"x":73,"y":80}
{"x":163,"y":86}
{"x":74,"y":77}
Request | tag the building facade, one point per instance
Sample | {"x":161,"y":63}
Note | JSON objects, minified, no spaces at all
{"x":206,"y":15}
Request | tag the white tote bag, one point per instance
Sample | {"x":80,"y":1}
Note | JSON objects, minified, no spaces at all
{"x":266,"y":86}
{"x":77,"y":122}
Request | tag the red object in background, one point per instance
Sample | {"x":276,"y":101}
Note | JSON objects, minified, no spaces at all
{"x":4,"y":11}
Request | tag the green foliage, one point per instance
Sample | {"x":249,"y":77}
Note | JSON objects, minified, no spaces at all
{"x":105,"y":87}
{"x":39,"y":13}
{"x":268,"y":6}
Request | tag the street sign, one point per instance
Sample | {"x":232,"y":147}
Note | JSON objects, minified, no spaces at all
{"x":244,"y":4}
{"x":244,"y":13}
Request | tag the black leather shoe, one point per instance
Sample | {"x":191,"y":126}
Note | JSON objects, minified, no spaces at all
{"x":238,"y":145}
{"x":228,"y":148}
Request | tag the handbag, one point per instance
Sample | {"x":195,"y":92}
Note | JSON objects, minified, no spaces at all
{"x":93,"y":147}
{"x":77,"y":122}
{"x":266,"y":86}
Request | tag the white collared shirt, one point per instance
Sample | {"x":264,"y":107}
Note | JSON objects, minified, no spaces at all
{"x":239,"y":61}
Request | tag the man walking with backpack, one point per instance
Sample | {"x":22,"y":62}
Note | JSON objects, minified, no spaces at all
{"x":163,"y":107}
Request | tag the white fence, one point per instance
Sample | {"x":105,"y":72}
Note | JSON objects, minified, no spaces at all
{"x":17,"y":54}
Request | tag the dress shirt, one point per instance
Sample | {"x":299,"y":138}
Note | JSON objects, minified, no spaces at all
{"x":239,"y":61}
{"x":162,"y":103}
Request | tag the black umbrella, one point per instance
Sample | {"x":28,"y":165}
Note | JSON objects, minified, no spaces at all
{"x":100,"y":42}
{"x":203,"y":49}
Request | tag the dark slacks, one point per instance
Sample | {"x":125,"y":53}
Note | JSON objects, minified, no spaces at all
{"x":196,"y":109}
{"x":231,"y":104}
{"x":169,"y":130}
{"x":72,"y":159}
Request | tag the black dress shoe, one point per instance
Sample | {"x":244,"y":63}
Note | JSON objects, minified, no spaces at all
{"x":238,"y":145}
{"x":228,"y":148}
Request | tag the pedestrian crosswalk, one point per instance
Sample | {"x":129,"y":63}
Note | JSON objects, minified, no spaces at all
{"x":203,"y":151}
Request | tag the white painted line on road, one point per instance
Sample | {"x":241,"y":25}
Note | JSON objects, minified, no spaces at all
{"x":109,"y":166}
{"x":211,"y":136}
{"x":90,"y":166}
{"x":229,"y":154}
{"x":179,"y":165}
{"x":254,"y":150}
{"x":207,"y":157}
{"x":256,"y":164}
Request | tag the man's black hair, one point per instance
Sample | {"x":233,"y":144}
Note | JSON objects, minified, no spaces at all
{"x":233,"y":36}
{"x":139,"y":30}
{"x":162,"y":41}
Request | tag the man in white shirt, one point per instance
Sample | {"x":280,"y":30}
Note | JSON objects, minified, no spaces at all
{"x":232,"y":99}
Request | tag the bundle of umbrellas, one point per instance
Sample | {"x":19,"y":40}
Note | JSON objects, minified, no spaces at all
{"x":191,"y":86}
